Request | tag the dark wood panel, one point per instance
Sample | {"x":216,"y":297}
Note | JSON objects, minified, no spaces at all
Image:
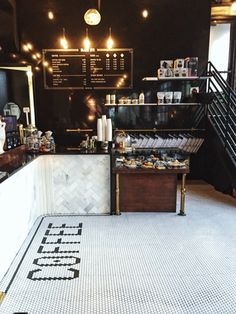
{"x":15,"y":155}
{"x":125,"y":170}
{"x":140,"y":192}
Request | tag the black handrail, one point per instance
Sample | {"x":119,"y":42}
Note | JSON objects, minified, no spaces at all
{"x":221,"y":111}
{"x":210,"y":65}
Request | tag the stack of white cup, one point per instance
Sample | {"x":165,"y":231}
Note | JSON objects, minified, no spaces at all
{"x":104,"y":129}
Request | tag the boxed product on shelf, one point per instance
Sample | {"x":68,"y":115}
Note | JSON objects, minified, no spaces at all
{"x":169,"y":72}
{"x":194,"y":90}
{"x":177,"y":72}
{"x":168,"y":97}
{"x":161,"y":72}
{"x":179,"y":64}
{"x":177,"y":97}
{"x":160,"y":97}
{"x":184,"y":72}
{"x":192,"y":64}
{"x":187,"y":67}
{"x":166,"y":64}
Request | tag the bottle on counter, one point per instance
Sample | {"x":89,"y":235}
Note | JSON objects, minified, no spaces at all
{"x":141,"y":98}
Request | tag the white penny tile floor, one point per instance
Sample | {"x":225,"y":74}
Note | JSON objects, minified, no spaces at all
{"x":133,"y":263}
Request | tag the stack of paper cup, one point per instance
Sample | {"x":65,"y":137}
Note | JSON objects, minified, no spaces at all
{"x":104,"y":126}
{"x":104,"y":129}
{"x":99,"y":130}
{"x":109,"y":131}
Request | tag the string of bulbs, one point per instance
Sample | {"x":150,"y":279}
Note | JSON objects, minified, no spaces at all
{"x":64,"y":43}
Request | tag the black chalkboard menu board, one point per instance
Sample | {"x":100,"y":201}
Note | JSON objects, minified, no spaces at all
{"x":97,"y":69}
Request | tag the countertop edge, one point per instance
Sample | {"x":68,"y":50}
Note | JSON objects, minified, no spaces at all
{"x":16,"y":159}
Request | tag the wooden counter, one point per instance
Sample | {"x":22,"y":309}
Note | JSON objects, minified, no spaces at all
{"x":150,"y":190}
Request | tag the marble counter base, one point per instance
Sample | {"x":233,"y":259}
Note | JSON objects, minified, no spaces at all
{"x":77,"y":184}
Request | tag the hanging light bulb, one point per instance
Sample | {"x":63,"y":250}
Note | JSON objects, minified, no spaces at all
{"x":63,"y":40}
{"x":50,"y":15}
{"x":92,"y":16}
{"x":110,"y":41}
{"x":87,"y":42}
{"x":145,"y":13}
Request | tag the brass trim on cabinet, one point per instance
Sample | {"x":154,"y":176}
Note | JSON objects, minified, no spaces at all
{"x":157,"y":130}
{"x":117,"y":194}
{"x":79,"y":130}
{"x":182,"y":196}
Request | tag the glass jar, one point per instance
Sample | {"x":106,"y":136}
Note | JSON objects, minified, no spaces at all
{"x":31,"y":139}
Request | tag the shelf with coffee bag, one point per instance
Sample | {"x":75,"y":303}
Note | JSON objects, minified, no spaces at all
{"x":185,"y":140}
{"x":186,"y":78}
{"x":170,"y":113}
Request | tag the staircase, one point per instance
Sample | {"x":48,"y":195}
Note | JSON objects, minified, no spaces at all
{"x":222,"y":110}
{"x":221,"y":113}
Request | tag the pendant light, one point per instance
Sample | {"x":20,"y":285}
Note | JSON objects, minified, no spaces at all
{"x":92,"y":16}
{"x":50,"y":15}
{"x":63,"y":40}
{"x":86,"y":42}
{"x":110,"y":41}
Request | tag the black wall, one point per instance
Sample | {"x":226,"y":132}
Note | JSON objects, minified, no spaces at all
{"x":219,"y":170}
{"x":14,"y":88}
{"x":4,"y":90}
{"x":174,"y":29}
{"x":9,"y":40}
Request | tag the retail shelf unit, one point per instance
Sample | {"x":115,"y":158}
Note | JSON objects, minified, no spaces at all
{"x":170,"y":122}
{"x":180,"y":78}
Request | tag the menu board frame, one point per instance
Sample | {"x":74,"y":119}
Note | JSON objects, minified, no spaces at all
{"x":89,"y":85}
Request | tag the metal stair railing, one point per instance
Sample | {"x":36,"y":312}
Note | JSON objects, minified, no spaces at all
{"x":221,"y":110}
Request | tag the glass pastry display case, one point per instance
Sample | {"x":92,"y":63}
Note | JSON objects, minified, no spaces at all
{"x":146,"y":180}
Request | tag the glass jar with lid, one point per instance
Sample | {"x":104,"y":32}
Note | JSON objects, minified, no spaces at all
{"x":31,"y":138}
